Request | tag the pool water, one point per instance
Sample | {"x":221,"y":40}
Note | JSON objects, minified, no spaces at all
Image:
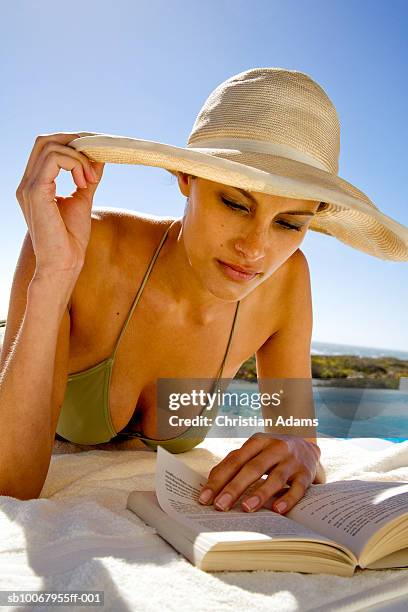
{"x":342,"y":412}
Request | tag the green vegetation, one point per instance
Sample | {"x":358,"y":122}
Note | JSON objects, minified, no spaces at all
{"x":346,"y":370}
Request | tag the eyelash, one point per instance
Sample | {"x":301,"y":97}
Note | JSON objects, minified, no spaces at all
{"x":284,"y":224}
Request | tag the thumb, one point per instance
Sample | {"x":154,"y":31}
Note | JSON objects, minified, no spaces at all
{"x":98,"y":168}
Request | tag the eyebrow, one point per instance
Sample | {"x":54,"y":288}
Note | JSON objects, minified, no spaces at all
{"x":248,"y":195}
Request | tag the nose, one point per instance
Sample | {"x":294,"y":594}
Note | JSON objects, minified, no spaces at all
{"x":253,"y":245}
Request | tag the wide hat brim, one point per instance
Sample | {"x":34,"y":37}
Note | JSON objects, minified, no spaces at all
{"x":350,"y":216}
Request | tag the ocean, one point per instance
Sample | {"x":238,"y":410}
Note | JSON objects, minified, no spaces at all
{"x":331,"y":348}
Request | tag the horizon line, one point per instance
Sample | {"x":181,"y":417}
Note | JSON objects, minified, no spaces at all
{"x":377,"y":348}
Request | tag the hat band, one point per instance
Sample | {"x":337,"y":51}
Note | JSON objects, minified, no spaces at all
{"x":258,"y":146}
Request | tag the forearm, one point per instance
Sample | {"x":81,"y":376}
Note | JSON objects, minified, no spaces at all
{"x":26,"y":383}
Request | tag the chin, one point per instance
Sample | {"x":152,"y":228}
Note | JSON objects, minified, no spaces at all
{"x":225,"y":289}
{"x":228,"y":293}
{"x":228,"y":297}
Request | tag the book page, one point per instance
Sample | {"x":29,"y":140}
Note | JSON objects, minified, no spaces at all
{"x":178,"y":487}
{"x":351,"y":511}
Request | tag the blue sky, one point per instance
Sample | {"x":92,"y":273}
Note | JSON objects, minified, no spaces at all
{"x":144,"y":68}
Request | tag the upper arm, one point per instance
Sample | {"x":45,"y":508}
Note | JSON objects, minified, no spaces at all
{"x":100,"y":244}
{"x":286,"y":354}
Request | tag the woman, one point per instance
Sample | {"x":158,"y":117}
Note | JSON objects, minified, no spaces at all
{"x":259,"y":170}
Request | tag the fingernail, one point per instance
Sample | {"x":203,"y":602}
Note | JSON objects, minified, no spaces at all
{"x":251,"y":502}
{"x":224,"y":501}
{"x":205,"y":496}
{"x":281,"y":506}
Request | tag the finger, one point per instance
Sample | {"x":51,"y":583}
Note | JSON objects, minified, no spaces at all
{"x":40,"y":142}
{"x":43,"y":189}
{"x":227,"y":488}
{"x":250,"y":473}
{"x":228,"y":467}
{"x":88,"y":171}
{"x":98,"y":168}
{"x":50,"y":168}
{"x":277,"y":479}
{"x":296,"y":491}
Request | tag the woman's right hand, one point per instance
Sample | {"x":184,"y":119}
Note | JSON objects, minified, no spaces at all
{"x":59,"y":227}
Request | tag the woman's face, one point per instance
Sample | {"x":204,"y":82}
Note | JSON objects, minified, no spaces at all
{"x":255,"y":231}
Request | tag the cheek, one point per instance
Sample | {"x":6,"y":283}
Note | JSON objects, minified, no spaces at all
{"x":286,"y":242}
{"x":281,"y":250}
{"x":200,"y":248}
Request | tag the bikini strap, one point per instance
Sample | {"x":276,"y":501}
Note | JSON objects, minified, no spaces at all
{"x":137,"y":434}
{"x":142,"y":286}
{"x":229,"y":344}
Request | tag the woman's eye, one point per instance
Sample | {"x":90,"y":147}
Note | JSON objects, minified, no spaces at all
{"x":233,"y":205}
{"x":289,"y":226}
{"x":281,"y":222}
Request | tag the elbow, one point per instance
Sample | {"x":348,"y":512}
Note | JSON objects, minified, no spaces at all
{"x":20,"y":495}
{"x":19,"y":489}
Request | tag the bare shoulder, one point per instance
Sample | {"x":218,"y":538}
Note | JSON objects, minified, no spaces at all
{"x":297,"y":273}
{"x":287,"y":287}
{"x":299,"y":262}
{"x":112,"y":225}
{"x":136,"y":226}
{"x":118,"y":238}
{"x":286,"y":353}
{"x":296,"y":289}
{"x":295,"y":266}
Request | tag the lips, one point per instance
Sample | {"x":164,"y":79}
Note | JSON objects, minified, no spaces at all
{"x":249,"y":271}
{"x":236,"y":275}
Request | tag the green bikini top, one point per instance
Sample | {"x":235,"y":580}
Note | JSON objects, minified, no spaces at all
{"x":85,"y":414}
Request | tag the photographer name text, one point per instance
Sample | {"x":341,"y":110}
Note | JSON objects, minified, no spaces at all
{"x":223,"y":420}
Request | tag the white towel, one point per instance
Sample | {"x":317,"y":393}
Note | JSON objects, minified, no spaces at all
{"x":80,"y":536}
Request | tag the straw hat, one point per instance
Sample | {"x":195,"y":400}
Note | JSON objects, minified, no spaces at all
{"x":273,"y":131}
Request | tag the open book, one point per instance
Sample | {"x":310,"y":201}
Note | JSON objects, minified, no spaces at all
{"x":333,"y":529}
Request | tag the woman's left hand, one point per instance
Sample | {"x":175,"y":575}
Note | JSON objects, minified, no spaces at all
{"x":286,"y":459}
